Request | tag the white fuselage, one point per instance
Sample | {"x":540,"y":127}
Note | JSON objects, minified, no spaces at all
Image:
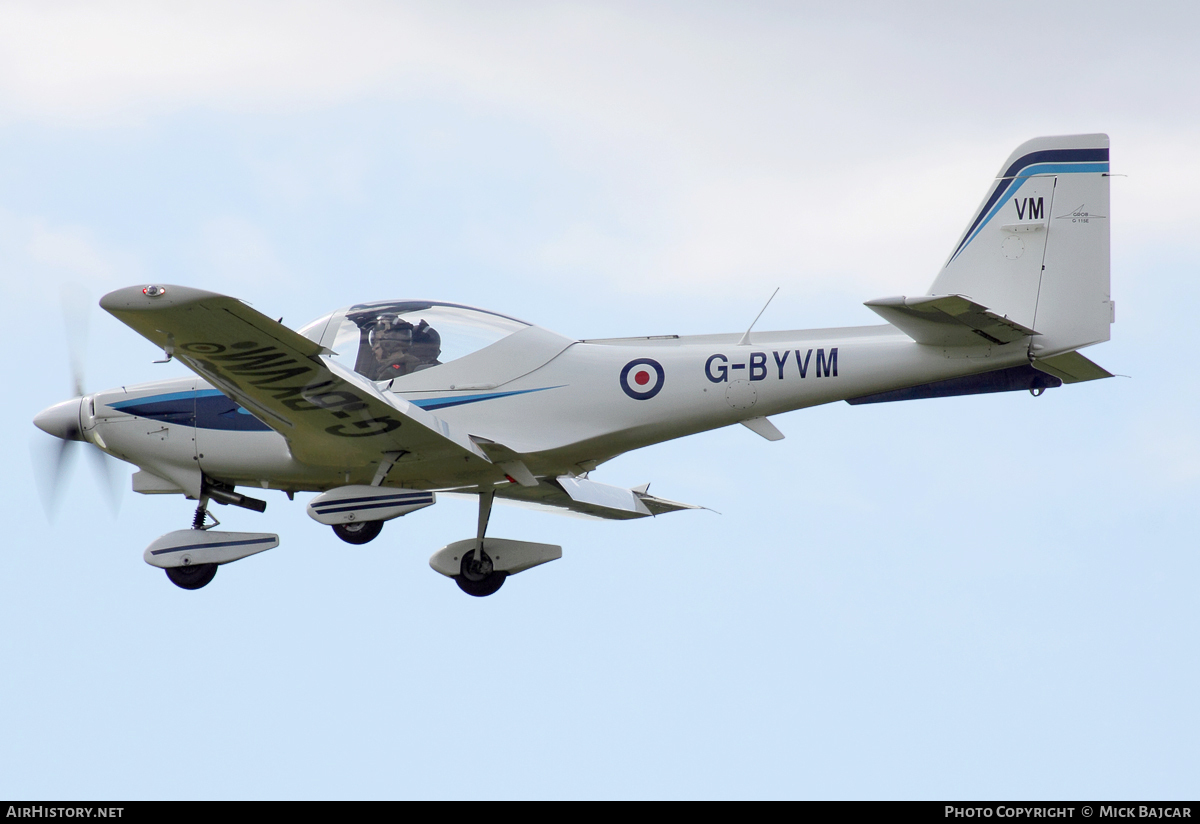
{"x":588,"y":402}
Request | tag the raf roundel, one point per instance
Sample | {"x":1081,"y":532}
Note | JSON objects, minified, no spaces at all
{"x":642,"y":379}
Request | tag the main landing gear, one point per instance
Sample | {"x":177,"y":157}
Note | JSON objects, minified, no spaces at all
{"x":478,"y":578}
{"x":192,"y":577}
{"x":476,"y":575}
{"x":358,"y":532}
{"x":195,"y":576}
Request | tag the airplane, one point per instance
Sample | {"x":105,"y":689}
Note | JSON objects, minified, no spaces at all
{"x":379,"y":407}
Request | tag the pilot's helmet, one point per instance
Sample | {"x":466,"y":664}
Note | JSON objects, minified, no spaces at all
{"x":426,"y":342}
{"x":391,"y":333}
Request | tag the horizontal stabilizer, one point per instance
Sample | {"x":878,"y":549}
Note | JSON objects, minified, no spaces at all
{"x":1002,"y":380}
{"x":948,"y":320}
{"x":1072,"y":368}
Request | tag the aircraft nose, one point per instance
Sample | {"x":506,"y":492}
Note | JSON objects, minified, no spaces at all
{"x":61,"y":420}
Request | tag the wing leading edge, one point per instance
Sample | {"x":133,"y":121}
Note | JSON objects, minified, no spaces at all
{"x":330,"y":415}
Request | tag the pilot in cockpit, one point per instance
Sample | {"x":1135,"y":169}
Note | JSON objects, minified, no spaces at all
{"x":391,"y":344}
{"x":426,"y":346}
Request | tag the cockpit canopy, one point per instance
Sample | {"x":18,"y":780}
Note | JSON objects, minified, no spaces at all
{"x":391,"y":339}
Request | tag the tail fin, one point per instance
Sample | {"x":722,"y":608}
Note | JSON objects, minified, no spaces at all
{"x":1036,"y":250}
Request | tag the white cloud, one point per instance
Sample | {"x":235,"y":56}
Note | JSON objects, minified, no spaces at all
{"x":72,"y":250}
{"x":234,"y":252}
{"x":39,"y":255}
{"x":1155,"y":201}
{"x":89,"y":62}
{"x":761,"y":142}
{"x":694,"y":77}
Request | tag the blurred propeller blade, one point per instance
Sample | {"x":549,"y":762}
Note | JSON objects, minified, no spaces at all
{"x":103,"y":465}
{"x":76,"y":309}
{"x":52,"y":468}
{"x":62,"y":420}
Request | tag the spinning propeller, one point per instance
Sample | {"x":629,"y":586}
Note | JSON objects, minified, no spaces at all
{"x":64,"y":420}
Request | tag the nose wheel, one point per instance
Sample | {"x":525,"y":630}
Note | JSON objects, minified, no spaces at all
{"x":195,"y":576}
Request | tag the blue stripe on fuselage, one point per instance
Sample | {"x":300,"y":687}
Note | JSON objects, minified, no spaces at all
{"x":204,"y":409}
{"x":211,"y":409}
{"x":441,"y":403}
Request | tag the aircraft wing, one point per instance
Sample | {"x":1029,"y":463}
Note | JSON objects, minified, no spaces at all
{"x":330,"y":415}
{"x":584,"y":497}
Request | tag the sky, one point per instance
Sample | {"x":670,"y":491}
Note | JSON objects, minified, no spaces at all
{"x":988,"y":596}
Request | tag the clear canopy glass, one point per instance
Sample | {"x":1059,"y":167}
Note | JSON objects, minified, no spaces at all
{"x":391,"y":339}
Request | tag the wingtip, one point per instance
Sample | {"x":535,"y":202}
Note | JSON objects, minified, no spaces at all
{"x":152,"y":296}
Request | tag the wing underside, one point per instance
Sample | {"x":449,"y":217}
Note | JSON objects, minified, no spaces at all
{"x":330,"y":415}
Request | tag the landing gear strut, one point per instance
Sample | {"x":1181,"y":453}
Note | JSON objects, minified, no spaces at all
{"x":476,"y":574}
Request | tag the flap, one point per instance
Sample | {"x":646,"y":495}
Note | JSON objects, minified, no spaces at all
{"x":589,"y":498}
{"x":330,"y":415}
{"x":1071,"y":368}
{"x":602,"y":496}
{"x":948,"y":320}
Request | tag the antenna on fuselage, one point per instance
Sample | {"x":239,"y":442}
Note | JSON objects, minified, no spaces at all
{"x":745,"y":341}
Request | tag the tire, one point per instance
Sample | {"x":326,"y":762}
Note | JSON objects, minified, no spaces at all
{"x":192,"y":577}
{"x":484,"y":588}
{"x":358,"y":532}
{"x":479,"y":580}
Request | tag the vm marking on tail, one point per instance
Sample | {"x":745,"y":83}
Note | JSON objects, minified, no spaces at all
{"x":1019,"y":171}
{"x":1033,"y":205}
